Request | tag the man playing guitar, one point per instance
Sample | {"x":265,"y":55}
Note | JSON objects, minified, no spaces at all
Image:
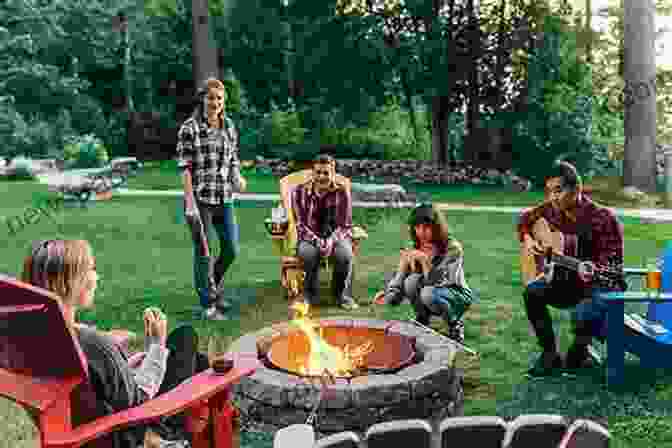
{"x":567,"y":225}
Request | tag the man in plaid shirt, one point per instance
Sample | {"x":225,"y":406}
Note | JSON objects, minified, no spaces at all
{"x":323,"y":210}
{"x":592,"y":233}
{"x":207,"y":153}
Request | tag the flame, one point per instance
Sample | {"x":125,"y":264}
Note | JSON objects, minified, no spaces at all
{"x":324,"y":357}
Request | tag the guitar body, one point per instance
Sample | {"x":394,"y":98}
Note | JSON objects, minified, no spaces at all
{"x":532,"y":267}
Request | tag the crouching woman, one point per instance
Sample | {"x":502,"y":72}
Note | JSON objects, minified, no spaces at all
{"x":431,"y":274}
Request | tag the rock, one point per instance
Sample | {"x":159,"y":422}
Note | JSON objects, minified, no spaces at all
{"x":633,"y":194}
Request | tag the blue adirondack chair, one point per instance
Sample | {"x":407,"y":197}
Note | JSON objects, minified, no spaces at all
{"x":650,"y":342}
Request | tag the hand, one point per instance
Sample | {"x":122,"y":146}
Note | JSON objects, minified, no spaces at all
{"x":243,"y":184}
{"x":156,"y":326}
{"x":586,"y":271}
{"x":532,"y":246}
{"x":379,"y":298}
{"x":404,"y":261}
{"x":191,"y":210}
{"x":325,"y":246}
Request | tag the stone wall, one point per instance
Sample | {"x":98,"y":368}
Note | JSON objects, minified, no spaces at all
{"x":411,"y":171}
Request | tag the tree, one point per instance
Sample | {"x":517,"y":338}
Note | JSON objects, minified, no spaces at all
{"x":639,"y":163}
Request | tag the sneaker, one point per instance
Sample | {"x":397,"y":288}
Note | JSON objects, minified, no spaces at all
{"x":348,"y":303}
{"x":548,"y":364}
{"x":456,"y":331}
{"x":212,"y":313}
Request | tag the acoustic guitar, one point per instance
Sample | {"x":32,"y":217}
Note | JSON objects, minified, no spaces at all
{"x":610,"y":272}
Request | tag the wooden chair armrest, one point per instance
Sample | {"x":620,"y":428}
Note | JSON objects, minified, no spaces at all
{"x":194,"y":391}
{"x":635,"y":271}
{"x":35,"y":393}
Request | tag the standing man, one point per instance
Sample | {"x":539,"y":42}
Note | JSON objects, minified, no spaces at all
{"x":207,"y":153}
{"x":323,"y":210}
{"x":598,"y":240}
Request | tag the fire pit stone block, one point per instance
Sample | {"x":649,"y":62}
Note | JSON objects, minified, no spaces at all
{"x":268,"y":386}
{"x":426,"y":378}
{"x":371,"y":323}
{"x":406,"y":329}
{"x":444,"y":355}
{"x":339,"y":395}
{"x":379,"y":390}
{"x":337,"y":321}
{"x":245,"y":344}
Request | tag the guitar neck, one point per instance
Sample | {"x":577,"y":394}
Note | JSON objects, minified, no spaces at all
{"x":566,"y":261}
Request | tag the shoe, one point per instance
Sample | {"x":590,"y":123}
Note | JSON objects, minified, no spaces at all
{"x":548,"y":364}
{"x":582,"y":358}
{"x":348,"y":303}
{"x":456,"y":331}
{"x":212,"y":313}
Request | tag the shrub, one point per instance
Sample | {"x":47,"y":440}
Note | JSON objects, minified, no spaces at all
{"x":86,"y":151}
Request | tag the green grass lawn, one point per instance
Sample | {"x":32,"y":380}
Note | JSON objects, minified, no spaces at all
{"x":144,"y":257}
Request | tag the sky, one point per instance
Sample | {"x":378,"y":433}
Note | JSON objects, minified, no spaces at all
{"x":663,"y":45}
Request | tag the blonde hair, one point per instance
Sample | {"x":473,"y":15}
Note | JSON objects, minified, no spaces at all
{"x":59,"y":266}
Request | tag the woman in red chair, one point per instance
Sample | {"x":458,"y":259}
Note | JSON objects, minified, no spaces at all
{"x":68,"y":269}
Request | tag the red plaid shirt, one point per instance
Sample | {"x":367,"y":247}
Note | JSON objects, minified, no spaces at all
{"x":212,"y":155}
{"x":601,"y":240}
{"x":309,"y":207}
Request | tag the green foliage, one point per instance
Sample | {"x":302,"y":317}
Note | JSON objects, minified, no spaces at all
{"x":85,"y":151}
{"x":559,"y":120}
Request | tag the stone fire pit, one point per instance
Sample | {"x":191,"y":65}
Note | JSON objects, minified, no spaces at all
{"x":421,"y":382}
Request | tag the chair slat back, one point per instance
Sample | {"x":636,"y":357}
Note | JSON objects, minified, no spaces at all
{"x":34,"y":338}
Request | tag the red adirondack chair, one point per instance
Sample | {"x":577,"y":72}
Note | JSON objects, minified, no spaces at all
{"x":43,"y":368}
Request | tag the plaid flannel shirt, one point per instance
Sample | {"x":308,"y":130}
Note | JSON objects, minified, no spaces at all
{"x":212,"y":155}
{"x":598,"y":233}
{"x":309,"y":207}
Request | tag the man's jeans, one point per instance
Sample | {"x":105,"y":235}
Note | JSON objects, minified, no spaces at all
{"x":208,"y":273}
{"x":341,"y":283}
{"x":589,"y":314}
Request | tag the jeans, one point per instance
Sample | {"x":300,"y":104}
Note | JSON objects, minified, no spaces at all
{"x":589,"y":312}
{"x":341,"y":283}
{"x":208,"y":272}
{"x":184,"y":361}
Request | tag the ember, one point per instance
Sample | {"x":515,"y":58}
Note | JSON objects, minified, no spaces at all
{"x":323,"y":356}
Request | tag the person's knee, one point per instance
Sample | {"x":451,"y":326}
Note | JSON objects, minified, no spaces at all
{"x":309,"y":254}
{"x":411,"y":285}
{"x":342,"y":254}
{"x":427,"y":295}
{"x":184,"y":336}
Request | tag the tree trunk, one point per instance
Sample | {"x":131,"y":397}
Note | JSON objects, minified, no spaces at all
{"x":408,"y":93}
{"x":205,"y":61}
{"x":639,"y":163}
{"x":472,"y":150}
{"x":440,"y":114}
{"x":589,"y":31}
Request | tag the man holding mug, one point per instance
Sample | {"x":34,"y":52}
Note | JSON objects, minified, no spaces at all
{"x":207,"y":153}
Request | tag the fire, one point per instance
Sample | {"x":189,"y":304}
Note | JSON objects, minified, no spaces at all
{"x":324,"y":356}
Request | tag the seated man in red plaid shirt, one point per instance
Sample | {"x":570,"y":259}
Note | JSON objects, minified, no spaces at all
{"x":591,"y":233}
{"x":323,"y":209}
